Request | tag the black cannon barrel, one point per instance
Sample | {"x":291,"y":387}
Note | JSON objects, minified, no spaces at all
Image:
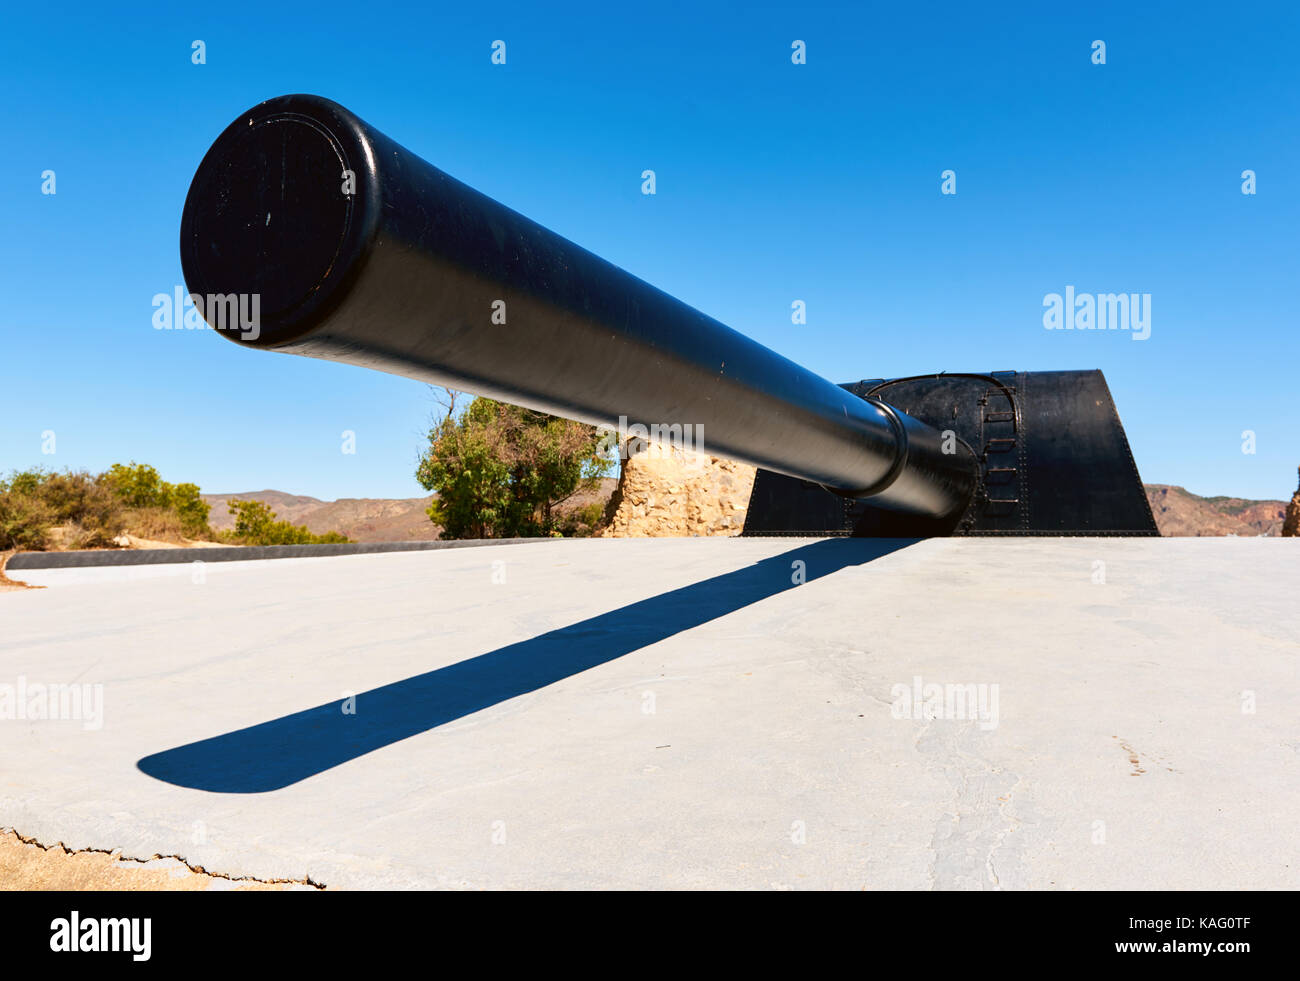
{"x":344,"y":245}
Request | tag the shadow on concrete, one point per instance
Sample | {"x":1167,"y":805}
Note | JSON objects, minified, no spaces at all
{"x":283,"y":751}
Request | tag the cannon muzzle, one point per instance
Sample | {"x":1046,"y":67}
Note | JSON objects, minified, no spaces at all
{"x":348,"y":247}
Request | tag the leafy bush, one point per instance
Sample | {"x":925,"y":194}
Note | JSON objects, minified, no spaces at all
{"x":192,"y":510}
{"x":41,"y":509}
{"x":25,"y":482}
{"x":582,"y":522}
{"x":255,"y":524}
{"x":139,"y":485}
{"x":34,"y":502}
{"x":25,"y":520}
{"x":88,"y":506}
{"x":501,"y":471}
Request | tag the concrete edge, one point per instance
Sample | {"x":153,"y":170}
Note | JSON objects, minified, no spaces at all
{"x":173,"y":556}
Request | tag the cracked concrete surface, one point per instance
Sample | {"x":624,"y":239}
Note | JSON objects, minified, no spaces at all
{"x":692,"y":719}
{"x":27,"y":864}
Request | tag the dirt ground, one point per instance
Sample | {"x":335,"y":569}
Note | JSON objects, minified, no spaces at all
{"x":27,"y":865}
{"x":7,"y":584}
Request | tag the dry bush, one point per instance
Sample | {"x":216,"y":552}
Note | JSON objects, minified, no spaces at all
{"x":92,"y":511}
{"x":155,"y":523}
{"x":73,"y":509}
{"x":25,"y":522}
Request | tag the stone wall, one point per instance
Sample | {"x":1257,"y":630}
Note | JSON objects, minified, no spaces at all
{"x":665,"y":493}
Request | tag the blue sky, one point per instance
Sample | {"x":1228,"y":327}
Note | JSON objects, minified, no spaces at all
{"x":775,"y":182}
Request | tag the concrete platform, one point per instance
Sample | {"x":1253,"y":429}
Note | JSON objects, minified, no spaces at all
{"x":675,"y":714}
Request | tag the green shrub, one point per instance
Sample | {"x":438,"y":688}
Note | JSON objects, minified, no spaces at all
{"x":501,"y":471}
{"x":255,"y":524}
{"x":36,"y":501}
{"x":90,"y":507}
{"x":25,"y":521}
{"x":582,"y":522}
{"x":139,"y":486}
{"x":25,"y":482}
{"x":192,"y":510}
{"x":43,"y":509}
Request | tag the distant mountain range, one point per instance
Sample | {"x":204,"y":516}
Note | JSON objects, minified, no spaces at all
{"x":361,"y":519}
{"x":1178,"y":513}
